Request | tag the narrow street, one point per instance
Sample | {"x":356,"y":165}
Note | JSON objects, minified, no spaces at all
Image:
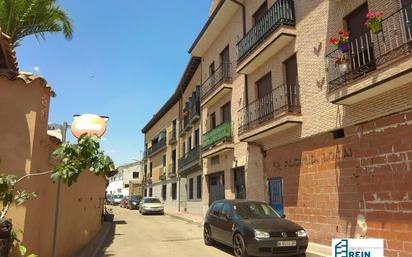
{"x":155,"y":236}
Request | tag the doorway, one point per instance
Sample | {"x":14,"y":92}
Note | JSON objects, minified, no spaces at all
{"x":216,"y":187}
{"x":276,"y":194}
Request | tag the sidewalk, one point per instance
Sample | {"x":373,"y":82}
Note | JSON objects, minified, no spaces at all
{"x":93,"y":247}
{"x":188,"y":217}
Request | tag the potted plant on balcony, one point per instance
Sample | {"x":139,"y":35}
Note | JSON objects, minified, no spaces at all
{"x":374,"y":21}
{"x":342,"y":42}
{"x":342,"y":64}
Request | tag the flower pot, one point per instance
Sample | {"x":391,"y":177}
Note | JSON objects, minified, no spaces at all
{"x":5,"y":231}
{"x":375,"y":27}
{"x":343,"y":67}
{"x":344,"y":47}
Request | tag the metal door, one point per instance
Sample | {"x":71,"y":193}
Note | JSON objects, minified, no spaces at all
{"x":240,"y":188}
{"x":276,"y":194}
{"x":216,"y":188}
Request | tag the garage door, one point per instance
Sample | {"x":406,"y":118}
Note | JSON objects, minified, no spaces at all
{"x":216,"y":187}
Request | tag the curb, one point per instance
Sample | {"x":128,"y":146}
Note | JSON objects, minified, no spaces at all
{"x":199,"y":223}
{"x":95,"y":245}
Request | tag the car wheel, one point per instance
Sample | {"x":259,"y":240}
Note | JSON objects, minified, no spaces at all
{"x":239,"y":246}
{"x":207,"y":235}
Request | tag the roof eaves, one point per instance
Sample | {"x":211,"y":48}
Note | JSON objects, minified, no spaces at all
{"x":206,"y":26}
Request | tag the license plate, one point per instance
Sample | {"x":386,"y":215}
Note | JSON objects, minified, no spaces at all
{"x":286,"y":243}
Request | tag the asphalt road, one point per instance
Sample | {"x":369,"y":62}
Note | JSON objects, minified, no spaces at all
{"x":135,"y":235}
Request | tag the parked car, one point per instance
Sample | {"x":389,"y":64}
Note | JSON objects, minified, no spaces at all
{"x":115,"y":199}
{"x":124,"y":202}
{"x":133,"y":202}
{"x":151,"y":205}
{"x":253,"y":228}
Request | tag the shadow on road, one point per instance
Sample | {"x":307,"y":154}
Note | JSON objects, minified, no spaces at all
{"x":109,"y":240}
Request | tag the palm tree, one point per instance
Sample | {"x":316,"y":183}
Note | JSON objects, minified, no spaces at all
{"x":21,"y":18}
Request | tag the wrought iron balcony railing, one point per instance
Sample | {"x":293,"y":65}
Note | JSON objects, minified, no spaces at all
{"x":221,"y":74}
{"x":223,"y":132}
{"x":156,"y":147}
{"x":281,"y":13}
{"x":282,"y":99}
{"x":370,"y":50}
{"x":189,"y":159}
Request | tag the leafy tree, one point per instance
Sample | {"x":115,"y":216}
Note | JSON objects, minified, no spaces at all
{"x":21,"y":18}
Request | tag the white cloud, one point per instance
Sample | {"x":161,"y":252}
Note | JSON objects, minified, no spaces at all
{"x":103,"y":138}
{"x":110,"y":151}
{"x":36,"y":69}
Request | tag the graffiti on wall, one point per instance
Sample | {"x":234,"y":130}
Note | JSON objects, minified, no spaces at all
{"x":335,"y":154}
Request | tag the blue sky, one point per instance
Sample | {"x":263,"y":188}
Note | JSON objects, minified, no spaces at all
{"x":124,"y":61}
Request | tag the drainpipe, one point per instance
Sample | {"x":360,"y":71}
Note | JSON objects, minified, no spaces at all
{"x":246,"y":90}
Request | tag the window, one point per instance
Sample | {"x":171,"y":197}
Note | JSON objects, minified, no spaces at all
{"x":260,"y":12}
{"x":150,"y":192}
{"x":196,"y":137}
{"x":216,"y":208}
{"x":212,"y":69}
{"x":226,"y":116}
{"x":126,"y":185}
{"x":212,"y":121}
{"x":174,"y":191}
{"x":189,"y":143}
{"x":151,"y":169}
{"x":225,"y":57}
{"x":145,"y":169}
{"x":164,"y":189}
{"x":184,"y":149}
{"x":191,"y":188}
{"x":135,"y":174}
{"x":264,"y":86}
{"x":199,"y":187}
{"x":227,"y":210}
{"x":164,"y":160}
{"x":145,"y":192}
{"x":174,"y":122}
{"x":173,"y":161}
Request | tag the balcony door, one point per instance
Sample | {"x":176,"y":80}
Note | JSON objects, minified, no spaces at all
{"x":407,"y":4}
{"x":258,"y":15}
{"x":362,"y":57}
{"x":173,"y":161}
{"x":224,"y":62}
{"x":264,"y":102}
{"x":291,"y":90}
{"x":226,"y":114}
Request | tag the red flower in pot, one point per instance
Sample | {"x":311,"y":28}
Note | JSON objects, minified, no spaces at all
{"x":342,"y":42}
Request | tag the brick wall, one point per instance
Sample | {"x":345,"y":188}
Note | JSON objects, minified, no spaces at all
{"x":356,"y":186}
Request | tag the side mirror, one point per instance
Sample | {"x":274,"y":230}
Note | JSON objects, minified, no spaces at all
{"x":283,"y":216}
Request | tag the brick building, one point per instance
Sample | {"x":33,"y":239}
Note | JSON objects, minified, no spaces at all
{"x":329,"y":145}
{"x":320,"y":132}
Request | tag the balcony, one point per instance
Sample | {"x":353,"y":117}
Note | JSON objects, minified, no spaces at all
{"x":217,"y":85}
{"x":160,"y":145}
{"x":190,"y":161}
{"x":377,"y":62}
{"x":218,"y":139}
{"x":274,"y":31}
{"x":172,"y":137}
{"x":270,"y":114}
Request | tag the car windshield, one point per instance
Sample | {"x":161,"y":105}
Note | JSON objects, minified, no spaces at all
{"x":151,"y":200}
{"x":118,"y":196}
{"x":134,"y":198}
{"x":254,"y":210}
